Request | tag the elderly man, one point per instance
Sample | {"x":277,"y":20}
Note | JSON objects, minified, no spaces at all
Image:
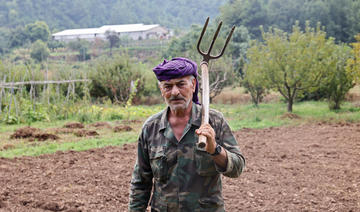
{"x":181,"y":176}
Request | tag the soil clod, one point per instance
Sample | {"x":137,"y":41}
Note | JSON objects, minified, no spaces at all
{"x":24,"y":132}
{"x":122,"y":128}
{"x":74,"y":125}
{"x":84,"y":133}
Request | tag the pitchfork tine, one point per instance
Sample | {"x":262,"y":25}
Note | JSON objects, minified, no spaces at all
{"x":226,"y":43}
{"x":214,"y":38}
{"x":201,"y":36}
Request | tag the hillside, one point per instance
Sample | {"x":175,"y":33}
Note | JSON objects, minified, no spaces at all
{"x":93,"y":13}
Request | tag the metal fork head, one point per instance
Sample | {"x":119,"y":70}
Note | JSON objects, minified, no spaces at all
{"x":207,"y":56}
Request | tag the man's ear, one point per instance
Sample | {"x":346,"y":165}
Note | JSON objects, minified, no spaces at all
{"x":161,"y":91}
{"x":194,"y":84}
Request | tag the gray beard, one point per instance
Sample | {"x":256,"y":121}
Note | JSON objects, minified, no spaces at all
{"x":179,"y":108}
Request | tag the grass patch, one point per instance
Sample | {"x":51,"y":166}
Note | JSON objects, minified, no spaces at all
{"x":272,"y":114}
{"x":52,"y":147}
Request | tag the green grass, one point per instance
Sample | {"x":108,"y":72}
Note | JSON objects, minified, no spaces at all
{"x":238,"y":117}
{"x":272,"y":114}
{"x":52,"y":147}
{"x":44,"y":124}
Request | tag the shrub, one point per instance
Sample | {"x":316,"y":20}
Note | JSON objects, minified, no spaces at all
{"x":113,"y":78}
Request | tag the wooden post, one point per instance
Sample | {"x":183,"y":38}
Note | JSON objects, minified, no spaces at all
{"x":1,"y":94}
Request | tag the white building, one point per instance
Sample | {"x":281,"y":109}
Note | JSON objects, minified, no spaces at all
{"x":133,"y":31}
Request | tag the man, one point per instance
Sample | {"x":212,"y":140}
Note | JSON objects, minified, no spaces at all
{"x":182,"y":176}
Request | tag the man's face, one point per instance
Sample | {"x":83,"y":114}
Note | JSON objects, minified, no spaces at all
{"x":178,"y":92}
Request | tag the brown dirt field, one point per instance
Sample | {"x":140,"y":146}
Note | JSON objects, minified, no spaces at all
{"x":304,"y":168}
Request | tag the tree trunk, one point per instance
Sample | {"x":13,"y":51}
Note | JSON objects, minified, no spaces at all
{"x":290,"y":105}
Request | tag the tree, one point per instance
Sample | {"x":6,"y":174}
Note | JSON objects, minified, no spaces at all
{"x":113,"y":39}
{"x":18,"y":37}
{"x":37,"y":31}
{"x":339,"y":20}
{"x":338,"y":80}
{"x":248,"y":13}
{"x":252,"y":77}
{"x":4,"y":40}
{"x":292,"y":63}
{"x":39,"y":51}
{"x":239,"y":45}
{"x":353,"y":63}
{"x":113,"y":78}
{"x":82,"y":46}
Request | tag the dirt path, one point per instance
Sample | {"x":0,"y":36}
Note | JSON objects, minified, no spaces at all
{"x":304,"y":168}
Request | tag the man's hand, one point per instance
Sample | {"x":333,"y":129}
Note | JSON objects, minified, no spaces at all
{"x":207,"y":131}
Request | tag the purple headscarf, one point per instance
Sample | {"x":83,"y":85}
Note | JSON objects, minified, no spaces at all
{"x":176,"y":68}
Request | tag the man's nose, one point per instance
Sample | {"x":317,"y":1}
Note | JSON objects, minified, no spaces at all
{"x":175,"y":91}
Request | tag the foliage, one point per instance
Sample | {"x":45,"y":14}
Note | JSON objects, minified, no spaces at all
{"x":253,"y":79}
{"x":4,"y":40}
{"x":55,"y":44}
{"x":292,"y":63}
{"x":32,"y":32}
{"x":18,"y":37}
{"x":37,"y":31}
{"x":113,"y":78}
{"x":82,"y":46}
{"x":339,"y":20}
{"x":88,"y":115}
{"x":239,"y":45}
{"x":338,"y":80}
{"x":248,"y":13}
{"x":39,"y":51}
{"x":113,"y":39}
{"x":92,"y":13}
{"x":353,"y":63}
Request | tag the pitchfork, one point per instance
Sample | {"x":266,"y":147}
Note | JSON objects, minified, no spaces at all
{"x":205,"y":75}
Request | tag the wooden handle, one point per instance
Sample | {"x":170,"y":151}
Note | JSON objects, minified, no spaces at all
{"x":205,"y":100}
{"x":202,"y":142}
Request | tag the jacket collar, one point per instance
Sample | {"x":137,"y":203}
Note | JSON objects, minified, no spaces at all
{"x":195,"y":118}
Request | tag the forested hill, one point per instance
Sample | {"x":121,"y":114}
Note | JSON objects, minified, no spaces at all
{"x":62,"y":14}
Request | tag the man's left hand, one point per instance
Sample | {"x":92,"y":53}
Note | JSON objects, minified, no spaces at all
{"x":207,"y":131}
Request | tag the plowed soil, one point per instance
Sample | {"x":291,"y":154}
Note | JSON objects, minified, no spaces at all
{"x":304,"y":168}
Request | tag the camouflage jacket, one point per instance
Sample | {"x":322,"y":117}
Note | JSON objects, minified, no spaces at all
{"x":182,"y":176}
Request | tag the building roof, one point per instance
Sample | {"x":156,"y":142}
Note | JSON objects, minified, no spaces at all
{"x":103,"y":29}
{"x":84,"y":31}
{"x":127,"y":27}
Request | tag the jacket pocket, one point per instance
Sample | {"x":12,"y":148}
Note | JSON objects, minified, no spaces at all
{"x":205,"y":165}
{"x":158,"y":162}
